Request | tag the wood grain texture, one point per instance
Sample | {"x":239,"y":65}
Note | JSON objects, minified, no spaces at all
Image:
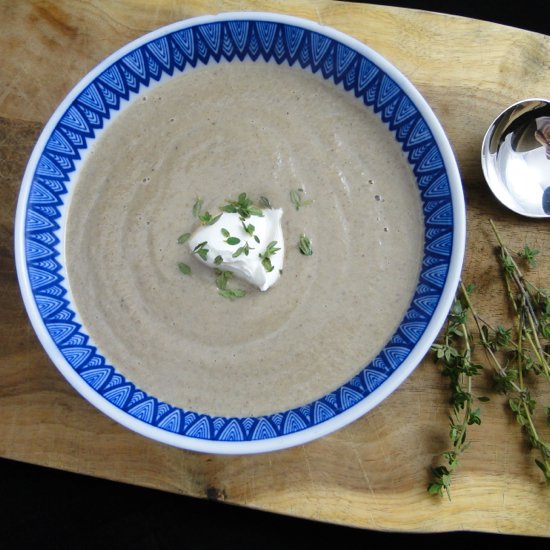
{"x":373,"y":473}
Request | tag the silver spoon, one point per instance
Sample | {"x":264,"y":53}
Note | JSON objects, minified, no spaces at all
{"x":515,"y":157}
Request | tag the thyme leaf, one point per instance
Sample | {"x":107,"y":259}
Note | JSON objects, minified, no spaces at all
{"x":245,"y":249}
{"x":201,"y":250}
{"x":297,"y":198}
{"x":232,"y":293}
{"x":264,"y":202}
{"x":270,"y":251}
{"x":208,"y":219}
{"x":304,"y":245}
{"x":184,"y":268}
{"x":222,"y":278}
{"x":197,"y":207}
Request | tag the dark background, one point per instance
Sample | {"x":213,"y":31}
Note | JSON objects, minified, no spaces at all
{"x":46,"y":508}
{"x":532,"y":15}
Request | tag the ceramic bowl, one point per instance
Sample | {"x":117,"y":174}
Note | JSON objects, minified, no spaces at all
{"x":162,"y":54}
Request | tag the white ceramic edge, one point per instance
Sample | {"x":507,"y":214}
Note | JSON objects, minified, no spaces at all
{"x":331,"y":425}
{"x":501,"y":193}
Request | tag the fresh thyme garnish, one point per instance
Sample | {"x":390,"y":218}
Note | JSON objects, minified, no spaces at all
{"x":208,"y":219}
{"x":517,"y":355}
{"x":222,"y":278}
{"x":201,"y":250}
{"x":184,"y":238}
{"x":264,"y":202}
{"x":197,"y":207}
{"x":232,"y":293}
{"x":243,"y":206}
{"x":205,"y":218}
{"x":245,"y":249}
{"x":228,"y":238}
{"x":184,"y":268}
{"x":455,"y":352}
{"x":297,"y":198}
{"x":304,"y":245}
{"x":527,"y":354}
{"x":266,"y":256}
{"x":529,"y":255}
{"x":249,"y":228}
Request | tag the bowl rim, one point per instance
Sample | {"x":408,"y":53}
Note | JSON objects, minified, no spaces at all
{"x":349,"y":415}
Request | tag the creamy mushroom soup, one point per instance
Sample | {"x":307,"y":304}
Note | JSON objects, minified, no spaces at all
{"x":213,"y":133}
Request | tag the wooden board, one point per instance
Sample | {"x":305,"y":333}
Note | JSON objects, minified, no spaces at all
{"x":374,"y":473}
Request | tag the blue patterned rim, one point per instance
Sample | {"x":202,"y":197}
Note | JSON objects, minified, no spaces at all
{"x":178,"y":47}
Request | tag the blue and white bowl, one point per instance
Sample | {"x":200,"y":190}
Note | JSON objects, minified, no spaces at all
{"x":52,"y":170}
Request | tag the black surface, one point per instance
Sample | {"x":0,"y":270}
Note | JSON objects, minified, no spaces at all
{"x":47,"y":508}
{"x":44,"y":508}
{"x":531,"y":15}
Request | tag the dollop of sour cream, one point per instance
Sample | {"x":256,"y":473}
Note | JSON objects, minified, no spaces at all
{"x":245,"y":257}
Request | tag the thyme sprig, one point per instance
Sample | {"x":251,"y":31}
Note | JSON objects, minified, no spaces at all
{"x":245,"y":249}
{"x":455,"y":353}
{"x":270,"y":251}
{"x":516,"y":355}
{"x":204,"y":217}
{"x":249,"y":229}
{"x":222,"y":279}
{"x":297,"y":198}
{"x":244,"y":206}
{"x":527,"y":355}
{"x":201,"y":250}
{"x":208,"y":219}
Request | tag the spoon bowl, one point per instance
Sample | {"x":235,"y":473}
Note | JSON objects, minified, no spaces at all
{"x":515,"y":157}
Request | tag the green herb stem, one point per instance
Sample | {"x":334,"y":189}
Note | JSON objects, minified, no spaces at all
{"x":526,"y":352}
{"x":483,"y":336}
{"x":512,"y":272}
{"x":460,"y":369}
